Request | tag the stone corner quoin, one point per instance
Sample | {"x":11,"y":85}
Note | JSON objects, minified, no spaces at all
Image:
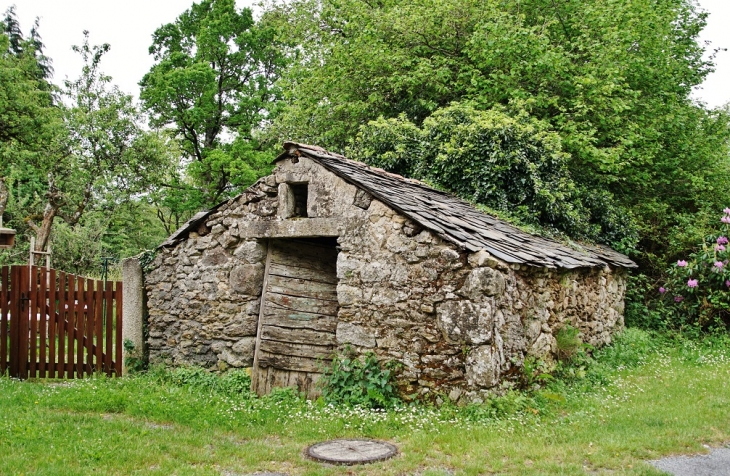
{"x":457,"y":321}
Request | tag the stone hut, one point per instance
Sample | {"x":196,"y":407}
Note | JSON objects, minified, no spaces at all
{"x":326,"y":254}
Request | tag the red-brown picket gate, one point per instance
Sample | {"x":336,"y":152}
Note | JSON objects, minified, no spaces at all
{"x":58,"y":325}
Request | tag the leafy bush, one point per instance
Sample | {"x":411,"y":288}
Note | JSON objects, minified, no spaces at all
{"x":696,"y":294}
{"x":640,"y":311}
{"x":355,"y":382}
{"x":510,"y":164}
{"x":535,"y":373}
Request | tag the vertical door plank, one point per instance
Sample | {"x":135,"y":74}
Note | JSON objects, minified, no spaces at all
{"x":52,"y":323}
{"x":62,"y":316}
{"x":109,"y":329}
{"x":99,"y":329}
{"x":270,"y":378}
{"x":281,"y":377}
{"x":43,"y":321}
{"x":4,"y":298}
{"x":118,"y":333}
{"x":263,"y":379}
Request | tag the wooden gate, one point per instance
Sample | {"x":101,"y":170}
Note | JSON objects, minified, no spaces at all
{"x":298,"y":316}
{"x":57,"y":325}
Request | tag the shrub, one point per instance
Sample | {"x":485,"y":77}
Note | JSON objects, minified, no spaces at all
{"x":355,"y":382}
{"x":696,"y":294}
{"x":513,"y":165}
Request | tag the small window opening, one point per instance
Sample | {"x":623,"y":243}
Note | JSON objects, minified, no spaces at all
{"x":300,"y":192}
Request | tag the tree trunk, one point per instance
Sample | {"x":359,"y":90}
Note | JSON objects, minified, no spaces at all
{"x":54,"y":201}
{"x":43,"y":232}
{"x":4,"y":194}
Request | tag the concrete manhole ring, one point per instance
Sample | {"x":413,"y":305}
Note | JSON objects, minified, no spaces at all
{"x":351,"y":451}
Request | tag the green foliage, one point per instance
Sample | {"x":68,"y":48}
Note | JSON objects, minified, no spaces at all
{"x":359,"y":382}
{"x":639,"y":310}
{"x":611,"y":79}
{"x":146,"y":258}
{"x":497,"y":407}
{"x":134,"y":361}
{"x":78,"y":249}
{"x":513,"y":165}
{"x":696,"y":294}
{"x":196,"y":379}
{"x":629,"y":349}
{"x":585,"y":370}
{"x":568,"y":342}
{"x":214,"y":82}
{"x":534,"y":373}
{"x":72,"y":171}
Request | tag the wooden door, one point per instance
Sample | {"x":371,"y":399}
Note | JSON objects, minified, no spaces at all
{"x":298,"y":315}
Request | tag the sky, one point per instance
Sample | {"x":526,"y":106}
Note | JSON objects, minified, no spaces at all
{"x":128,"y":26}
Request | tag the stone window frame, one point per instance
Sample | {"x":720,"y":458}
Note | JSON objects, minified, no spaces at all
{"x":290,"y":199}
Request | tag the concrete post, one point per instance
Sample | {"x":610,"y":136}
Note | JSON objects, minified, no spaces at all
{"x":132,"y":310}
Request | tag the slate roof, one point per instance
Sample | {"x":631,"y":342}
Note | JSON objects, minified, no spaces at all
{"x":451,"y":218}
{"x":457,"y":221}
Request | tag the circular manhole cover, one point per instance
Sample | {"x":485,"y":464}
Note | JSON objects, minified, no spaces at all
{"x":351,"y":451}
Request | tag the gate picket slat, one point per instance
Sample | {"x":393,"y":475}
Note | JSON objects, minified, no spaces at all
{"x":42,"y":322}
{"x":52,"y":323}
{"x":4,"y":298}
{"x":118,"y":335}
{"x":69,"y":323}
{"x":98,"y":320}
{"x":62,"y":305}
{"x":89,"y":327}
{"x":13,"y":314}
{"x":23,"y":318}
{"x":79,"y":328}
{"x":109,"y":329}
{"x":33,"y":317}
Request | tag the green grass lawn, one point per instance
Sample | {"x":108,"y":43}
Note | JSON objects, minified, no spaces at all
{"x":642,"y":398}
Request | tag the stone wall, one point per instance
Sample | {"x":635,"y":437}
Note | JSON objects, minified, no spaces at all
{"x":457,"y":322}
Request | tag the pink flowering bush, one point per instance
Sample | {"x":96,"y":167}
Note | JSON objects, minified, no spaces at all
{"x":697,"y":290}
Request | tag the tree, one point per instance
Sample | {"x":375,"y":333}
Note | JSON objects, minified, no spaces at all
{"x":611,"y":78}
{"x":213,"y":82}
{"x":514,"y":166}
{"x":101,"y":155}
{"x":28,"y":117}
{"x":77,"y":154}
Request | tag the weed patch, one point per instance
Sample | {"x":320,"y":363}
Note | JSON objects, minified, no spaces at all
{"x":359,"y":382}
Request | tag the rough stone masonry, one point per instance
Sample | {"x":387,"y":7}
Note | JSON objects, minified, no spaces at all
{"x":458,"y":320}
